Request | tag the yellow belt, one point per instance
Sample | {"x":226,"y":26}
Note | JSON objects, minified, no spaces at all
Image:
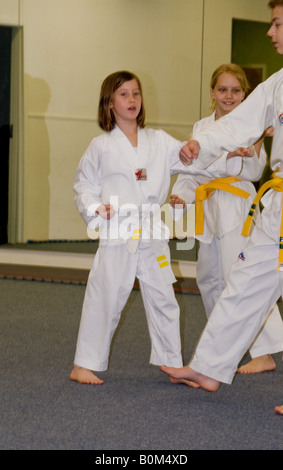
{"x":275,"y":183}
{"x":204,"y":191}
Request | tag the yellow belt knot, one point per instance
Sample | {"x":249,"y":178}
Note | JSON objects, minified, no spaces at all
{"x":275,"y":183}
{"x":204,"y":192}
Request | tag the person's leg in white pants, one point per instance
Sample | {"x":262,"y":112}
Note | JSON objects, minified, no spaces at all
{"x":218,"y":257}
{"x":252,"y":289}
{"x":161,"y":306}
{"x":209,"y":274}
{"x":109,"y":285}
{"x":270,"y":338}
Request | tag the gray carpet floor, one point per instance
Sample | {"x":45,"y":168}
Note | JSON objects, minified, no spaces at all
{"x":136,"y":409}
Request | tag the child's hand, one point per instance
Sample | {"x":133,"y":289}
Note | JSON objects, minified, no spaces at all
{"x":105,"y":211}
{"x":241,"y":152}
{"x":189,"y":152}
{"x":176,"y":201}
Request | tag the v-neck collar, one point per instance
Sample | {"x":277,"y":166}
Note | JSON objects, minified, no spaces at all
{"x":119,"y":136}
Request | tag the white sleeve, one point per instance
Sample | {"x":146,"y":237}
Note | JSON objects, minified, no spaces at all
{"x":174,"y":146}
{"x":185,"y":187}
{"x":87,"y":187}
{"x":252,"y":167}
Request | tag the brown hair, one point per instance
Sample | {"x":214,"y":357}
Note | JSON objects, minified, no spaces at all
{"x":275,"y":3}
{"x":235,"y":70}
{"x":111,"y":83}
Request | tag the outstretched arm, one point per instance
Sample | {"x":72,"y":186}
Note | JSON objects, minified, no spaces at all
{"x":191,"y":150}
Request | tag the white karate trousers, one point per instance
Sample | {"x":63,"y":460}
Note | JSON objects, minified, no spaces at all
{"x":213,"y":267}
{"x":253,"y":287}
{"x":109,"y":285}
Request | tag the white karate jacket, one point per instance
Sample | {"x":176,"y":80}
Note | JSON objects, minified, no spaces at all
{"x":223,"y":212}
{"x":108,"y":174}
{"x":243,"y":126}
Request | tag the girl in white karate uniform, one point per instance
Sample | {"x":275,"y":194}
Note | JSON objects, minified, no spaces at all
{"x":122,"y":180}
{"x":224,"y":215}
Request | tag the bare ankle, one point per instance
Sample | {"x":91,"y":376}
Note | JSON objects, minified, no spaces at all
{"x":84,"y":376}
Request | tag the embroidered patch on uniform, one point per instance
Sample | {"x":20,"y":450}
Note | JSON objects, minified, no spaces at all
{"x":242,"y":256}
{"x":141,"y":174}
{"x":281,"y":118}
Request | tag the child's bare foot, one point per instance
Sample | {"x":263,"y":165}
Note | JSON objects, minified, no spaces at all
{"x":279,"y":409}
{"x":188,"y":375}
{"x":184,"y":381}
{"x":258,"y":364}
{"x":84,"y":376}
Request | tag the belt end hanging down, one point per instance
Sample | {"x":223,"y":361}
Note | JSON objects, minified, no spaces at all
{"x":162,"y":260}
{"x":280,"y":264}
{"x":199,"y":218}
{"x":133,"y":243}
{"x":248,"y":223}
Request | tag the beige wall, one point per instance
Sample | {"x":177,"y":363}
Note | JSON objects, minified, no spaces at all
{"x":218,"y":34}
{"x":69,"y":46}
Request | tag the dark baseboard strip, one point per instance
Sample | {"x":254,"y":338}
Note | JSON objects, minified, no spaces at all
{"x":73,"y":276}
